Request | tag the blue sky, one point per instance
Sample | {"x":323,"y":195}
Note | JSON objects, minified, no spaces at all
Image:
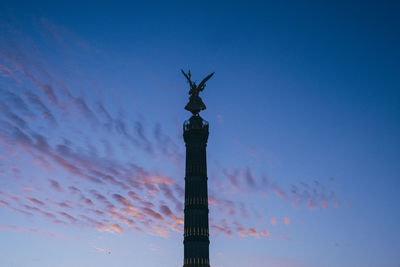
{"x":304,"y":131}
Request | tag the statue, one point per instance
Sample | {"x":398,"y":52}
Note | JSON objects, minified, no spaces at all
{"x":195,"y":104}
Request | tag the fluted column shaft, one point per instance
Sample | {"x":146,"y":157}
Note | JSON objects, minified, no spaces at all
{"x":196,"y":229}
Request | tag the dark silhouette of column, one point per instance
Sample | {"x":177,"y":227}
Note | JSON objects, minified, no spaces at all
{"x":196,"y":230}
{"x":195,"y":133}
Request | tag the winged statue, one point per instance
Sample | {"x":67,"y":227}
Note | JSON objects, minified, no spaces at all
{"x":195,"y":104}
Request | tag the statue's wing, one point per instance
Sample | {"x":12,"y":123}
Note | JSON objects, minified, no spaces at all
{"x":203,"y":82}
{"x":187,"y":76}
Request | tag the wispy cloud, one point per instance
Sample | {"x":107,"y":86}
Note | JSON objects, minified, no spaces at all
{"x":19,"y":229}
{"x":93,"y":165}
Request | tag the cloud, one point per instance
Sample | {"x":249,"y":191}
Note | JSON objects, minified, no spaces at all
{"x":124,"y":202}
{"x":265,"y":233}
{"x":19,"y":229}
{"x":47,"y":89}
{"x":116,"y":228}
{"x":36,"y":202}
{"x":242,"y":231}
{"x":68,"y":217}
{"x":139,"y":130}
{"x":74,"y":190}
{"x":63,"y":204}
{"x":116,"y":215}
{"x":99,"y":197}
{"x":280,"y":193}
{"x":110,"y":229}
{"x":45,"y":214}
{"x":6,"y":72}
{"x":222,"y":227}
{"x":168,"y":213}
{"x":55,"y":185}
{"x":152,"y":213}
{"x":11,"y":99}
{"x":311,"y":204}
{"x":160,"y":231}
{"x":37,"y":103}
{"x":168,"y":146}
{"x":253,"y":232}
{"x":12,"y":117}
{"x":249,"y":177}
{"x":227,"y":232}
{"x":18,"y":133}
{"x":243,"y":211}
{"x":11,"y":208}
{"x":27,"y":188}
{"x":104,"y":169}
{"x":83,"y":108}
{"x":232,"y":178}
{"x":286,"y":220}
{"x":135,"y":197}
{"x":87,"y":201}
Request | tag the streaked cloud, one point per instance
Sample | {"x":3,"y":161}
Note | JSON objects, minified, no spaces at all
{"x":97,"y":165}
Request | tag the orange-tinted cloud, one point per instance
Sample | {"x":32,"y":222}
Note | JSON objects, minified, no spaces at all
{"x":253,"y":232}
{"x":286,"y":220}
{"x":160,"y":231}
{"x":116,"y":228}
{"x":242,"y":231}
{"x":265,"y":233}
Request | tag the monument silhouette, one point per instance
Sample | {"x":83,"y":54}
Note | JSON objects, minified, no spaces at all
{"x":195,"y":133}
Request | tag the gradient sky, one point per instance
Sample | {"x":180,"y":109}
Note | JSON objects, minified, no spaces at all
{"x":304,"y":117}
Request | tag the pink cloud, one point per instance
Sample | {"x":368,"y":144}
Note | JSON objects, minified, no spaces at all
{"x":286,"y":220}
{"x":265,"y":233}
{"x":28,"y":230}
{"x":124,"y":202}
{"x":324,"y":204}
{"x":135,"y":197}
{"x":279,"y":192}
{"x":227,"y":232}
{"x":152,"y":188}
{"x":167,"y":212}
{"x":212,"y":201}
{"x":242,"y":231}
{"x":253,"y":232}
{"x":152,"y":213}
{"x":103,"y":228}
{"x":27,"y":189}
{"x":116,"y":228}
{"x":310,"y":204}
{"x":36,"y":202}
{"x":161,"y":231}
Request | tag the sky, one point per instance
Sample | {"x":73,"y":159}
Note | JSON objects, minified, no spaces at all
{"x":303,"y":165}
